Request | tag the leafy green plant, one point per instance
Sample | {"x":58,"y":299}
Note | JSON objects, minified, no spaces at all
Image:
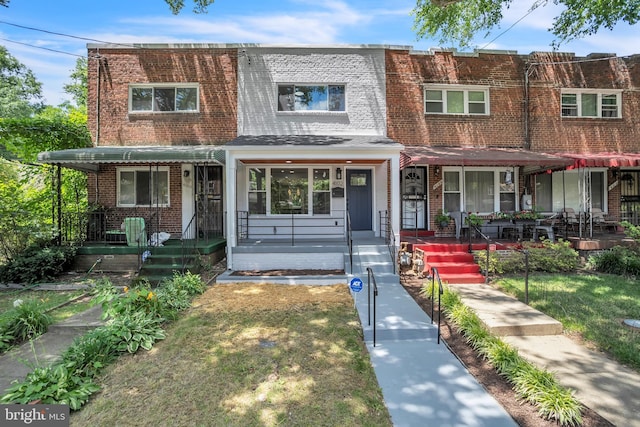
{"x":37,"y":264}
{"x":52,"y":385}
{"x":91,"y":352}
{"x":543,"y":256}
{"x":621,"y":260}
{"x":24,"y":322}
{"x":136,"y":330}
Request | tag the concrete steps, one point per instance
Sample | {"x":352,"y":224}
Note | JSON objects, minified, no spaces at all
{"x":453,"y":261}
{"x":504,"y":315}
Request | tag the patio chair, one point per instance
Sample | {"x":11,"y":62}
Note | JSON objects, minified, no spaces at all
{"x":600,"y":220}
{"x":459,"y":220}
{"x":135,"y":230}
{"x":570,"y":218}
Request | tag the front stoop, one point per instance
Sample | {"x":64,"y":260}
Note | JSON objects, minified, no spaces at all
{"x":453,"y":262}
{"x":504,"y":315}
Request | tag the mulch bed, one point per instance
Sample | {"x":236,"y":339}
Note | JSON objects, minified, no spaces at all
{"x":525,"y":414}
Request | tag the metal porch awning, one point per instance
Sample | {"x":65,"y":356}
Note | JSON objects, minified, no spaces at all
{"x":88,"y":159}
{"x":467,"y":156}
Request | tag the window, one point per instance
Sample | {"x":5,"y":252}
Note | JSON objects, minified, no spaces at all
{"x":289,"y":191}
{"x":143,"y":187}
{"x":590,"y":103}
{"x":164,"y":98}
{"x":456,"y":100}
{"x":321,"y":192}
{"x":452,"y":191}
{"x":311,"y":98}
{"x":556,"y":191}
{"x":257,"y":191}
{"x":483,"y":190}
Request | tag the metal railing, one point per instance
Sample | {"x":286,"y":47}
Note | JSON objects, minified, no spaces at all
{"x":492,"y":243}
{"x":350,"y":241}
{"x":188,"y":242}
{"x":436,"y":276}
{"x":372,"y":278}
{"x":390,"y":238}
{"x":292,"y":227}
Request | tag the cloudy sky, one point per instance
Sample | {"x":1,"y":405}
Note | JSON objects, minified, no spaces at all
{"x":53,"y":37}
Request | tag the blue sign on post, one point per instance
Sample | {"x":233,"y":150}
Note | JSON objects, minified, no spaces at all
{"x":355,"y":284}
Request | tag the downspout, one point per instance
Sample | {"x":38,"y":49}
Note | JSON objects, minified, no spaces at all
{"x":527,"y":135}
{"x":98,"y":98}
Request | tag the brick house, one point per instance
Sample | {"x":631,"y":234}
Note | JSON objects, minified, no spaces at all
{"x":277,"y":144}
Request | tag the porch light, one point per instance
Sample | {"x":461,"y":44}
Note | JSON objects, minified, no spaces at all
{"x":436,"y":171}
{"x":186,"y":173}
{"x":338,"y":174}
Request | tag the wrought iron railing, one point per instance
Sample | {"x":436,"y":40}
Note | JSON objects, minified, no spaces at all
{"x":371,"y":278}
{"x":189,"y":242}
{"x":386,"y":230}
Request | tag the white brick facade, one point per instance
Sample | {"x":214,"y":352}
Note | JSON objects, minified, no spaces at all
{"x":361,"y":70}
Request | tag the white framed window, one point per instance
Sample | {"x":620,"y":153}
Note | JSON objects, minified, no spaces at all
{"x":572,"y":189}
{"x":591,"y":103}
{"x":454,"y":99}
{"x":164,"y":98}
{"x":143,"y":186}
{"x":480,"y":189}
{"x":311,"y":97}
{"x":286,"y":190}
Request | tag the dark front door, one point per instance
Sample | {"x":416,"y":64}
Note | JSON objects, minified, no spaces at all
{"x":209,"y":209}
{"x":359,"y":198}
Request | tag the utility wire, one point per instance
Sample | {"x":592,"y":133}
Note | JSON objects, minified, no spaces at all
{"x":42,"y":47}
{"x":534,"y":7}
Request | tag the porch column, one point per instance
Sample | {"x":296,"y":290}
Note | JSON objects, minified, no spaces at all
{"x":395,"y":197}
{"x":230,"y":193}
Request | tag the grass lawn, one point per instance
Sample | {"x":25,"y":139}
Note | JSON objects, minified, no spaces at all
{"x":248,"y":355}
{"x":48,"y":299}
{"x":592,"y":305}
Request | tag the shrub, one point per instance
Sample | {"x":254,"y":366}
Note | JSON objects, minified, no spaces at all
{"x":136,"y":330}
{"x":37,"y":264}
{"x":547,"y":256}
{"x":91,"y":352}
{"x":619,"y":260}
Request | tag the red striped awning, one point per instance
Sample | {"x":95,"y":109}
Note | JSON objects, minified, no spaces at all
{"x":603,"y":159}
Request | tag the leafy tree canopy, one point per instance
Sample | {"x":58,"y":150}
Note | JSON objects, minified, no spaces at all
{"x":20,"y":91}
{"x":78,"y":86}
{"x":458,"y":21}
{"x":199,"y":6}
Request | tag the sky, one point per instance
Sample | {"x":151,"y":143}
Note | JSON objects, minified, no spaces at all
{"x":52,"y":56}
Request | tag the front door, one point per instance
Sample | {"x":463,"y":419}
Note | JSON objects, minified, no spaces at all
{"x":359,"y":199}
{"x":209,"y":209}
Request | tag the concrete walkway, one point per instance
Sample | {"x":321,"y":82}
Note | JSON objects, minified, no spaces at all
{"x":17,"y":363}
{"x":605,"y":386}
{"x":422,"y":382}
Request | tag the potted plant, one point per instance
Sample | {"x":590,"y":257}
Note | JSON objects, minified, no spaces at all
{"x":474,"y":220}
{"x":442,"y":218}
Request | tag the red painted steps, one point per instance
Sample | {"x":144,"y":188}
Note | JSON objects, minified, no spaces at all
{"x":454,"y":262}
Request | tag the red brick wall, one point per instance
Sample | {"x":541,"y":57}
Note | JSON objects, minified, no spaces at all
{"x":407,"y":123}
{"x":214,"y":69}
{"x":552,"y":133}
{"x":103,"y":185}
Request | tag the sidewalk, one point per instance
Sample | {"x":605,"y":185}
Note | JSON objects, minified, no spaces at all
{"x":422,"y":382}
{"x":47,"y":348}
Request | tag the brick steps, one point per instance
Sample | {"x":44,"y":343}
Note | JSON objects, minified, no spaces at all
{"x":454,"y":263}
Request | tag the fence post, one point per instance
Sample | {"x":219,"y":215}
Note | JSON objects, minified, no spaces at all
{"x":526,"y":277}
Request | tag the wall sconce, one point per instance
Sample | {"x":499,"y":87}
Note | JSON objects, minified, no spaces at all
{"x":338,"y":174}
{"x":436,"y":171}
{"x":614,"y":173}
{"x":186,"y":173}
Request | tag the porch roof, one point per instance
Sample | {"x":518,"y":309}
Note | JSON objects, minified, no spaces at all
{"x":472,"y":156}
{"x":88,"y":159}
{"x":315,"y":141}
{"x":602,"y":159}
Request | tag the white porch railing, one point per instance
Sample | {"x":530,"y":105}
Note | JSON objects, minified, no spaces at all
{"x":291,"y":227}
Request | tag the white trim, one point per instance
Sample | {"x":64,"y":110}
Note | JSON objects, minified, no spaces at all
{"x":465,"y":89}
{"x":600,"y":93}
{"x":496,"y":184}
{"x":132,"y":86}
{"x":143,"y":169}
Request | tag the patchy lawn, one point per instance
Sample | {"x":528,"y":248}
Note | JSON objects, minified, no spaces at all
{"x":249,"y":355}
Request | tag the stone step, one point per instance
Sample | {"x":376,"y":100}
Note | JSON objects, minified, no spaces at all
{"x":504,"y":315}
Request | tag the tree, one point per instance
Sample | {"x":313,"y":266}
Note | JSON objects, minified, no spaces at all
{"x":458,"y":21}
{"x":200,"y":6}
{"x":78,"y":86}
{"x":20,"y":91}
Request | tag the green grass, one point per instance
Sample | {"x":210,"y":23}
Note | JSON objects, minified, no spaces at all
{"x":47,"y":299}
{"x":306,"y":365}
{"x":592,"y":305}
